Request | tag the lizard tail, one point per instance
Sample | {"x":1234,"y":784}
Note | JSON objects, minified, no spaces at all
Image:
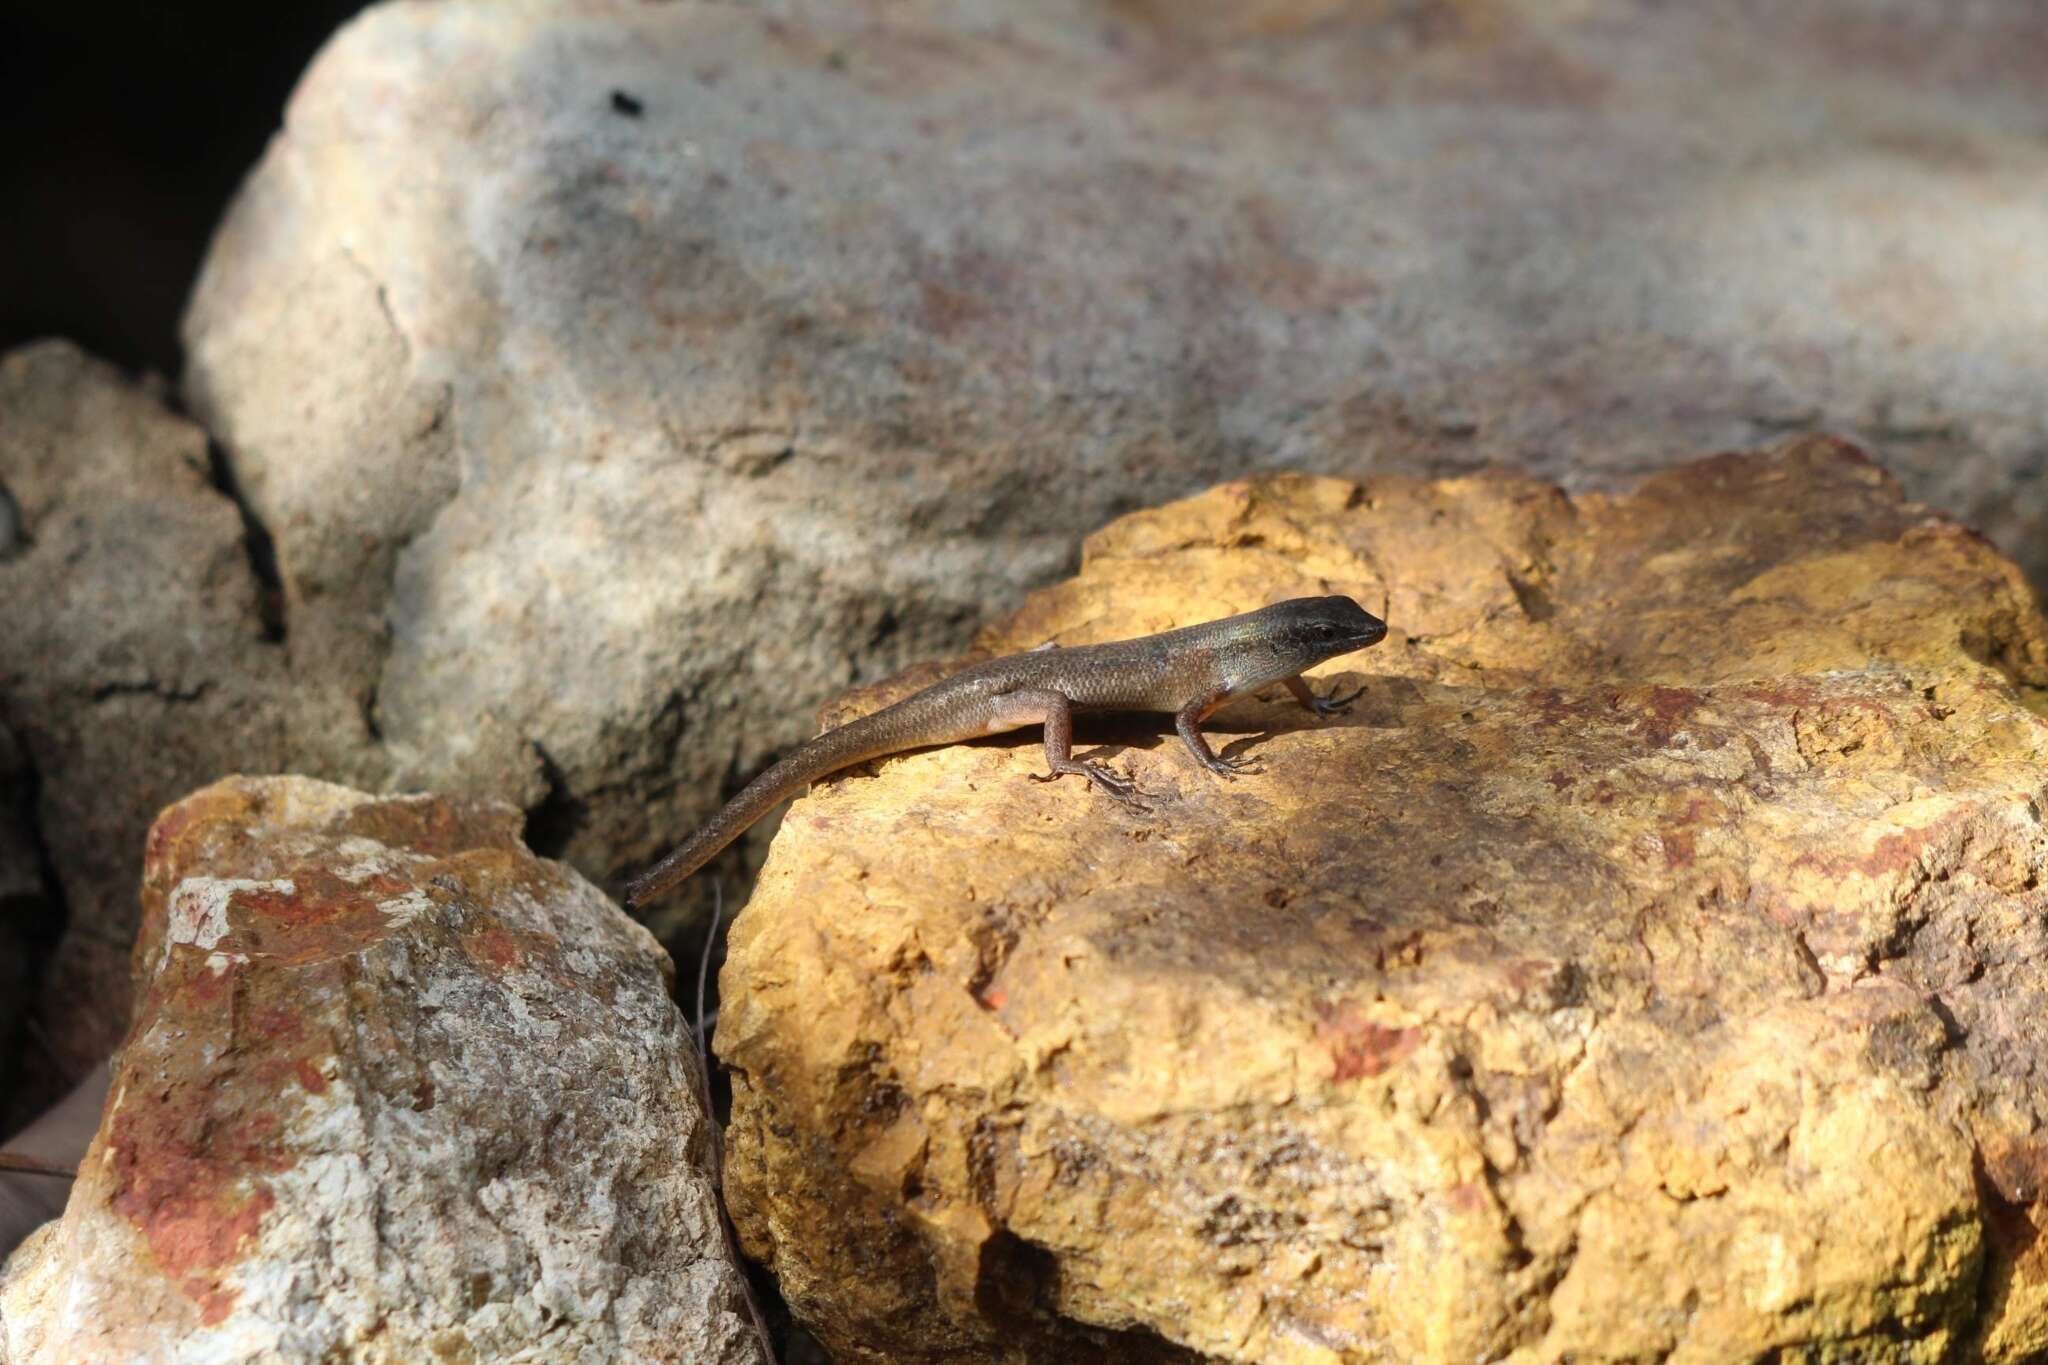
{"x":843,"y":746}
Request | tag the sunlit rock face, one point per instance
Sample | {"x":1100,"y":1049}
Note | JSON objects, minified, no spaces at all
{"x":1649,"y":966}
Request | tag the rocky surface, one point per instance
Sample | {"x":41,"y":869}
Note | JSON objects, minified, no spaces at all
{"x":1650,"y":966}
{"x":621,"y":380}
{"x":396,"y":1090}
{"x":135,"y":666}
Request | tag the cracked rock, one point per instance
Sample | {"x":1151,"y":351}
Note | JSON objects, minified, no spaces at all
{"x":1650,"y":965}
{"x":619,"y":381}
{"x":134,"y":667}
{"x":396,"y":1090}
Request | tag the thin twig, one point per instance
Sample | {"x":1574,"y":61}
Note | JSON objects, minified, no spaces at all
{"x":31,"y":1165}
{"x":703,"y":978}
{"x":732,"y":1237}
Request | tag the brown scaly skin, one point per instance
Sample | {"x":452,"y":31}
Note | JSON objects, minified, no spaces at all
{"x":1187,"y":673}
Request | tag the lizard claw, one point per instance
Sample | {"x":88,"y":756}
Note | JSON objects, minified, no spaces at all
{"x":1335,"y":705}
{"x":1229,"y":768}
{"x":1114,"y":784}
{"x":1118,"y":787}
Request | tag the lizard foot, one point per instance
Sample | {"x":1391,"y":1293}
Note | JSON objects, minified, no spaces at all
{"x":1115,"y":784}
{"x":1229,"y":768}
{"x":1335,"y":705}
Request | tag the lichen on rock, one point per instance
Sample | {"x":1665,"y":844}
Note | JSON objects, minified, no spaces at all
{"x":1649,"y":966}
{"x":395,"y":1090}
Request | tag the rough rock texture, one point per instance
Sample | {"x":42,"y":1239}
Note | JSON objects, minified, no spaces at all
{"x":620,"y":380}
{"x":133,"y":660}
{"x":396,"y":1090}
{"x":1651,"y":965}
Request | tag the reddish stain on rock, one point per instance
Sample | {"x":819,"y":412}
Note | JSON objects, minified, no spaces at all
{"x":1358,"y":1046}
{"x":1895,"y":852}
{"x":198,"y":986}
{"x":1680,"y":833}
{"x":492,"y":944}
{"x":434,"y":828}
{"x":1680,"y":847}
{"x":1780,"y":696}
{"x":310,"y":1076}
{"x":275,"y":1022}
{"x":1889,"y":856}
{"x":185,"y":1176}
{"x":215,"y":1301}
{"x":495,"y":946}
{"x":1467,"y":1197}
{"x":322,"y":915}
{"x":1667,"y":711}
{"x":167,"y":829}
{"x":1554,"y":707}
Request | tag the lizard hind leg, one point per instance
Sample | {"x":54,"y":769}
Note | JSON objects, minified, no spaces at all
{"x":1043,"y":706}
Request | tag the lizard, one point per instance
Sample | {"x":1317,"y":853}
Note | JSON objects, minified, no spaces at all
{"x":1187,"y":673}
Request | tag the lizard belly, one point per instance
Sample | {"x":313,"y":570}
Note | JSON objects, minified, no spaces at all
{"x":1013,"y":712}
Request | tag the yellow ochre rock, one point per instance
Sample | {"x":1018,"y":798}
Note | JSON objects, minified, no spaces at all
{"x":1652,"y":965}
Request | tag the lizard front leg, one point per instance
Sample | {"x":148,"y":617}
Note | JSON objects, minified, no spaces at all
{"x":1043,"y":706}
{"x":1322,"y":706}
{"x":1188,"y":720}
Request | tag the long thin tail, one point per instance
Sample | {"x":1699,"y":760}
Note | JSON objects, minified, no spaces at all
{"x":840,"y":747}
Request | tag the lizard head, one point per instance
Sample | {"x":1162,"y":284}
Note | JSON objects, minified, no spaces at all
{"x":1319,"y":628}
{"x":1289,"y":637}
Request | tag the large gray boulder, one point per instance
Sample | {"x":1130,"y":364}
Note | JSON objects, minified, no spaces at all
{"x":620,"y":380}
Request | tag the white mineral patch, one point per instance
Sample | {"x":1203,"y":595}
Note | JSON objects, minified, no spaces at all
{"x":403,"y":910}
{"x":368,"y":858}
{"x":198,"y":910}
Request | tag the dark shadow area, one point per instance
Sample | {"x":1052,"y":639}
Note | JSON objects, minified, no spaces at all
{"x":128,"y":130}
{"x":32,"y":918}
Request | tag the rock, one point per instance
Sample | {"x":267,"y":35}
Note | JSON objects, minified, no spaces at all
{"x":396,"y":1090}
{"x":619,"y":381}
{"x":1650,"y":966}
{"x":136,"y":666}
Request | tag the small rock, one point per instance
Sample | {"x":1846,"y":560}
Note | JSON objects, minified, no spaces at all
{"x":396,"y":1090}
{"x":1650,"y":965}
